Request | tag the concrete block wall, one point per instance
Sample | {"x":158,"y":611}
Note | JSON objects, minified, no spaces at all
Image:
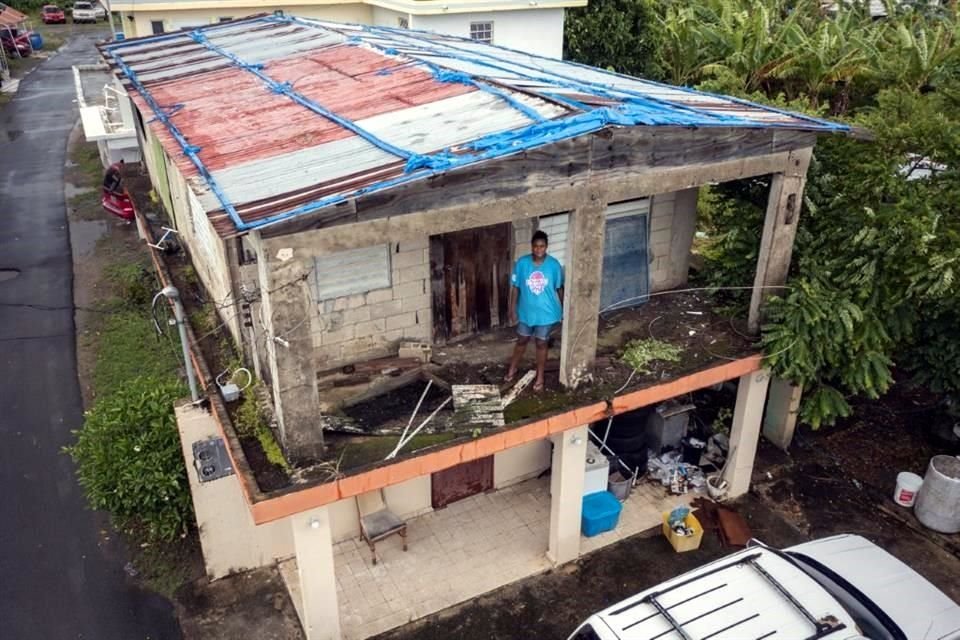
{"x":673,"y":220}
{"x":522,"y":233}
{"x":371,"y":324}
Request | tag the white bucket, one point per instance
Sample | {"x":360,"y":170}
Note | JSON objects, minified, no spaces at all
{"x":908,"y":484}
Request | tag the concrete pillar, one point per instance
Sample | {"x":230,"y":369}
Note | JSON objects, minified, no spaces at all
{"x":566,"y":494}
{"x":320,"y":613}
{"x":779,"y":230}
{"x":780,"y":417}
{"x":745,"y":432}
{"x":286,"y":309}
{"x":581,"y":302}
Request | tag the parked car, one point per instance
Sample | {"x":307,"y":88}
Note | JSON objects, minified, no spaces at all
{"x":113,"y":196}
{"x":16,"y":43}
{"x":52,"y":14}
{"x":88,"y":12}
{"x":839,"y":587}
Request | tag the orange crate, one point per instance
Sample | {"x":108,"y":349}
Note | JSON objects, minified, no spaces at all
{"x":683,"y":543}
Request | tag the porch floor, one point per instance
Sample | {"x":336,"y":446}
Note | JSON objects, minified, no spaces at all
{"x":458,"y":553}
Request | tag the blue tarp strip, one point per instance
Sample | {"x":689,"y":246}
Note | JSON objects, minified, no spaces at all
{"x":635,"y":109}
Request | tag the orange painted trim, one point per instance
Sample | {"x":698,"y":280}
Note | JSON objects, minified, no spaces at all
{"x":297,"y":501}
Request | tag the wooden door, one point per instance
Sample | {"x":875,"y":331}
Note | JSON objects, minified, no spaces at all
{"x":461,"y":481}
{"x":470,"y":280}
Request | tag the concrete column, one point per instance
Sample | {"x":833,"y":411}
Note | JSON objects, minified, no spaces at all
{"x":745,"y":432}
{"x":320,"y":613}
{"x":779,"y":230}
{"x":566,"y":494}
{"x":581,"y":303}
{"x":286,"y":305}
{"x":780,"y":417}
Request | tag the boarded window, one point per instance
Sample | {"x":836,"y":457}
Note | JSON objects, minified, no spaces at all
{"x":555,"y":227}
{"x":482,"y":31}
{"x":403,"y":22}
{"x":350,"y":272}
{"x":156,"y":27}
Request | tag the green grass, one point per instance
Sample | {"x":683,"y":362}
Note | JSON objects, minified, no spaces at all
{"x":130,"y":347}
{"x":376,"y":448}
{"x":87,"y":158}
{"x":86,"y":206}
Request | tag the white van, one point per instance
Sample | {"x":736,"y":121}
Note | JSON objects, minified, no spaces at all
{"x":839,"y":587}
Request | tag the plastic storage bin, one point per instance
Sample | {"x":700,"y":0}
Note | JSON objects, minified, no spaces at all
{"x":683,"y":543}
{"x":601,"y":511}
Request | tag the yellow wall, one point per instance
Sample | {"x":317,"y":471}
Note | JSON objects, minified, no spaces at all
{"x":177,"y":18}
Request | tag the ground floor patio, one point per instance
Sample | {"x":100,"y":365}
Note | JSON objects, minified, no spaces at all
{"x":460,"y":552}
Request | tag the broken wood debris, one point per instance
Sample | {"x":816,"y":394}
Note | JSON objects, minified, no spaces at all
{"x":477,"y":405}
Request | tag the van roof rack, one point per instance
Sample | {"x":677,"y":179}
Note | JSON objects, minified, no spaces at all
{"x":821,"y":627}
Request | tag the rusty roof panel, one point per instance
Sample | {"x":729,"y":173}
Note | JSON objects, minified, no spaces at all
{"x":270,"y":117}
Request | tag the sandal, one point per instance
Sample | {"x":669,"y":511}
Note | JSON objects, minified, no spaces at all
{"x":537,"y":387}
{"x":509,"y":377}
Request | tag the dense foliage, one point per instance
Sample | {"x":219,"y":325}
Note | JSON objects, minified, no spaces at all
{"x":874,"y":281}
{"x":129,"y":461}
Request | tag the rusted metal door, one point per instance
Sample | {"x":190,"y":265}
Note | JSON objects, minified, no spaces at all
{"x":470,"y":280}
{"x":462,"y":481}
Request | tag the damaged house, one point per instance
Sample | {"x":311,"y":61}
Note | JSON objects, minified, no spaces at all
{"x":353,"y":199}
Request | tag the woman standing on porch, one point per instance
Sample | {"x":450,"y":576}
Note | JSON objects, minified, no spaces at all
{"x":536,"y":304}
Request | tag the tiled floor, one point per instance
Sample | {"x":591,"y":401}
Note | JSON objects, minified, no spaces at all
{"x":455,"y":554}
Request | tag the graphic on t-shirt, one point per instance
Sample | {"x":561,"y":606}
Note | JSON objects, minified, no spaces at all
{"x":537,"y":282}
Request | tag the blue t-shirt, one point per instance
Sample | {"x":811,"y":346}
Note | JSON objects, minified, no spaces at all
{"x":538,"y":302}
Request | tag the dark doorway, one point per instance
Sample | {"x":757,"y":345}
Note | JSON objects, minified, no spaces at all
{"x":470,"y":274}
{"x":461,"y":481}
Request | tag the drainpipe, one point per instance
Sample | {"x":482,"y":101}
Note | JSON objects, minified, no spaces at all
{"x":173,"y":296}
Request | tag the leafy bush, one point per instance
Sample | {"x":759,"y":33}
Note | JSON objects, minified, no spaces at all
{"x":129,"y":461}
{"x":639,"y":353}
{"x":250,"y":423}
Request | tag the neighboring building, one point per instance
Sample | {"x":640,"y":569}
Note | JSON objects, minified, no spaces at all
{"x":106,"y":114}
{"x":343,"y":189}
{"x":534,"y":26}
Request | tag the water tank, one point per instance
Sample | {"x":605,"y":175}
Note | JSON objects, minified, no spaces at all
{"x":938,"y":504}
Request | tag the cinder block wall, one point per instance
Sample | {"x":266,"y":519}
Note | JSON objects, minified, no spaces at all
{"x":367,"y":325}
{"x":673,"y":221}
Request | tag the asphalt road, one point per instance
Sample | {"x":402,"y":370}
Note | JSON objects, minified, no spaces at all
{"x":61,"y":571}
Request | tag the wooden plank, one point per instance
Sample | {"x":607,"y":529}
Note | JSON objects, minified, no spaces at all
{"x":779,"y":230}
{"x":438,"y":291}
{"x":477,"y":405}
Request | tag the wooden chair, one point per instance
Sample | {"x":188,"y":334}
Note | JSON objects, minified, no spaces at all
{"x":377,"y":521}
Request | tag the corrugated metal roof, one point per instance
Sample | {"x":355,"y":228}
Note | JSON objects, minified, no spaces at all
{"x":273,"y":116}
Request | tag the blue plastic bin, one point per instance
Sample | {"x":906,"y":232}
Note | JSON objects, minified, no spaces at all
{"x":601,"y":511}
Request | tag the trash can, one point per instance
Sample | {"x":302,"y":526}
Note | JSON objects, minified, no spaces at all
{"x":620,"y":486}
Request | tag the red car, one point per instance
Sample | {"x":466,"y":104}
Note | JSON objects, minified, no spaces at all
{"x":16,"y":44}
{"x":113,"y":196}
{"x":52,"y":14}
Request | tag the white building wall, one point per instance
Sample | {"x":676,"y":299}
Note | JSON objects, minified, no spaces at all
{"x":520,"y":463}
{"x":175,"y":18}
{"x":389,"y":18}
{"x":537,"y":31}
{"x":408,"y":500}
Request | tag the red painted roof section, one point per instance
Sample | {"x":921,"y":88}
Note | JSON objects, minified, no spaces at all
{"x":234,"y":119}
